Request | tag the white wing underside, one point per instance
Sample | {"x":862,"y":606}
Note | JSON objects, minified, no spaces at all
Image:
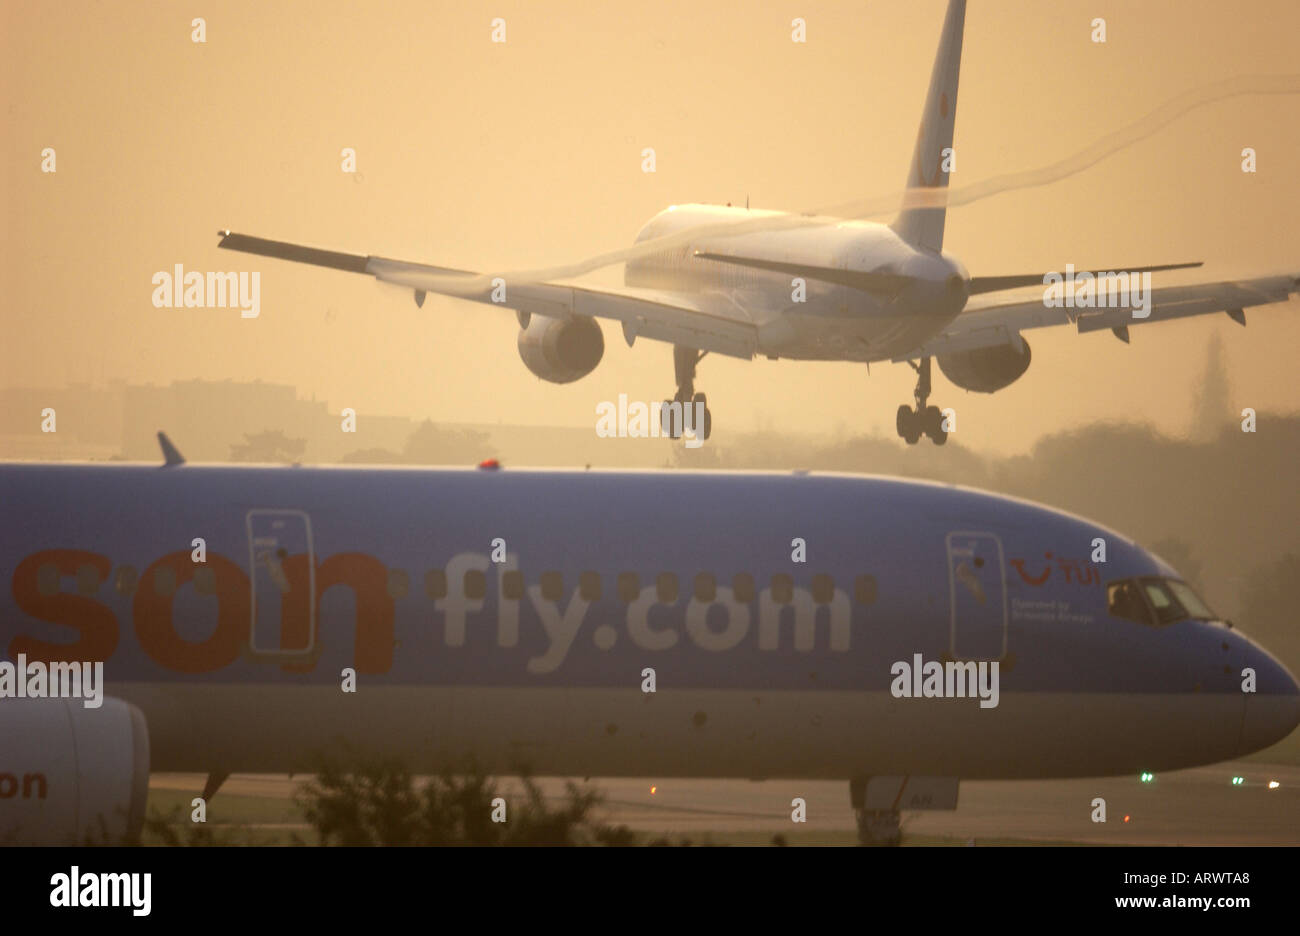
{"x":717,"y":322}
{"x":728,"y":321}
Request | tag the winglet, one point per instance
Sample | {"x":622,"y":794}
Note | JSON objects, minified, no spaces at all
{"x":171,"y":456}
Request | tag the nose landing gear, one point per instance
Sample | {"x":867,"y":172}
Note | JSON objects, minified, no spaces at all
{"x":924,"y":420}
{"x":875,"y":826}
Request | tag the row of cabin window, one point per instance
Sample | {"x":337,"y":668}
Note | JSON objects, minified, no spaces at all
{"x":87,"y":580}
{"x":628,"y":585}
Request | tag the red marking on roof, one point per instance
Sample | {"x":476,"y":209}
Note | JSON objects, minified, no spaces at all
{"x":490,"y":464}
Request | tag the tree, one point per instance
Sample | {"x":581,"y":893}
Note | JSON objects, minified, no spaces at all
{"x":358,"y":799}
{"x":1213,"y":394}
{"x":430,"y":444}
{"x":1179,"y":555}
{"x":1270,"y":607}
{"x":269,"y":446}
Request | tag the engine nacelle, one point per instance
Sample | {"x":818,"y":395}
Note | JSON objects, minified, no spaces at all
{"x":70,"y":775}
{"x":985,"y":369}
{"x":561,"y":350}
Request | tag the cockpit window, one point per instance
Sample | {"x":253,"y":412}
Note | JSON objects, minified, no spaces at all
{"x":1163,"y":603}
{"x":1124,"y":601}
{"x":1156,"y":601}
{"x":1191,"y":602}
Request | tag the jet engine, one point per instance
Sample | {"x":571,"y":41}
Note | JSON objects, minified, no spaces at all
{"x":560,"y":350}
{"x":70,"y":775}
{"x":985,"y":369}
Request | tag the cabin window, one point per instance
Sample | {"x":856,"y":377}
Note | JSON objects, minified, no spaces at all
{"x":47,"y":579}
{"x":164,"y":581}
{"x":823,"y":588}
{"x":743,"y":587}
{"x":864,"y":589}
{"x":589,"y":586}
{"x":666,"y":587}
{"x":124,"y":581}
{"x":399,"y":583}
{"x":782,"y":588}
{"x":435,"y":583}
{"x":552,"y":586}
{"x":629,"y":587}
{"x":512,"y":585}
{"x":475,"y":584}
{"x":706,"y":587}
{"x":205,"y":580}
{"x":87,"y":580}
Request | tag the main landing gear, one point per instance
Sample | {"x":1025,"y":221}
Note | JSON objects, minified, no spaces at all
{"x":675,"y":420}
{"x":924,"y":420}
{"x":875,"y":826}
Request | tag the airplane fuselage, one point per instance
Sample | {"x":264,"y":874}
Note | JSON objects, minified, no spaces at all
{"x":514,"y":616}
{"x":807,"y":318}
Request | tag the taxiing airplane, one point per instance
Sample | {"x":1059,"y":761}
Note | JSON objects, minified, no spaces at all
{"x":826,"y":289}
{"x":593,"y":623}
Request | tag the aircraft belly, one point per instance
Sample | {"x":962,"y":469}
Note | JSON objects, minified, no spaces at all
{"x":866,"y":331}
{"x":685,"y":732}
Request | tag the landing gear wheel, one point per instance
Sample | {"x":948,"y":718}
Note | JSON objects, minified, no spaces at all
{"x":702,"y":400}
{"x":932,"y":419}
{"x":908,"y":425}
{"x":671,"y":426}
{"x":924,"y":420}
{"x":878,"y":827}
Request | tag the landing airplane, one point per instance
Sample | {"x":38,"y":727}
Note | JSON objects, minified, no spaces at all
{"x":829,"y":289}
{"x":521,"y":618}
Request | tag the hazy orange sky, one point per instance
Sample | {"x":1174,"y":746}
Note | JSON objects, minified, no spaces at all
{"x":505,"y":156}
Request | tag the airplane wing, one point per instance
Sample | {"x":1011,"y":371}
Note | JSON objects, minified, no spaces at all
{"x":992,"y":320}
{"x":709,"y":322}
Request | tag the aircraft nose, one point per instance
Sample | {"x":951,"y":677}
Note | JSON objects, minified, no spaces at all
{"x":1273,"y":709}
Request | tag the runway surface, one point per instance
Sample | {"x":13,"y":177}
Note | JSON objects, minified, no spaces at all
{"x":1189,"y":807}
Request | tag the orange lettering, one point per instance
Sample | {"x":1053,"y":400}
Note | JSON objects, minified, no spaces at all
{"x":94,"y":620}
{"x":153,"y":616}
{"x":368,"y":578}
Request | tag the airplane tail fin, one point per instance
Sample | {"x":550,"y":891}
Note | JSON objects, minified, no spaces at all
{"x":920,"y":220}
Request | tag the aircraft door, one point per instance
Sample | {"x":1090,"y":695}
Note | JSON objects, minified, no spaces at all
{"x":282,"y":573}
{"x":977,"y":593}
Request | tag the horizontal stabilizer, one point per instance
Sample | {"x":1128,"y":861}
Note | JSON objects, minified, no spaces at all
{"x":869,"y":281}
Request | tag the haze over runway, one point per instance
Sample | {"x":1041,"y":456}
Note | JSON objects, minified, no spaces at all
{"x":156,"y":151}
{"x":1185,"y":807}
